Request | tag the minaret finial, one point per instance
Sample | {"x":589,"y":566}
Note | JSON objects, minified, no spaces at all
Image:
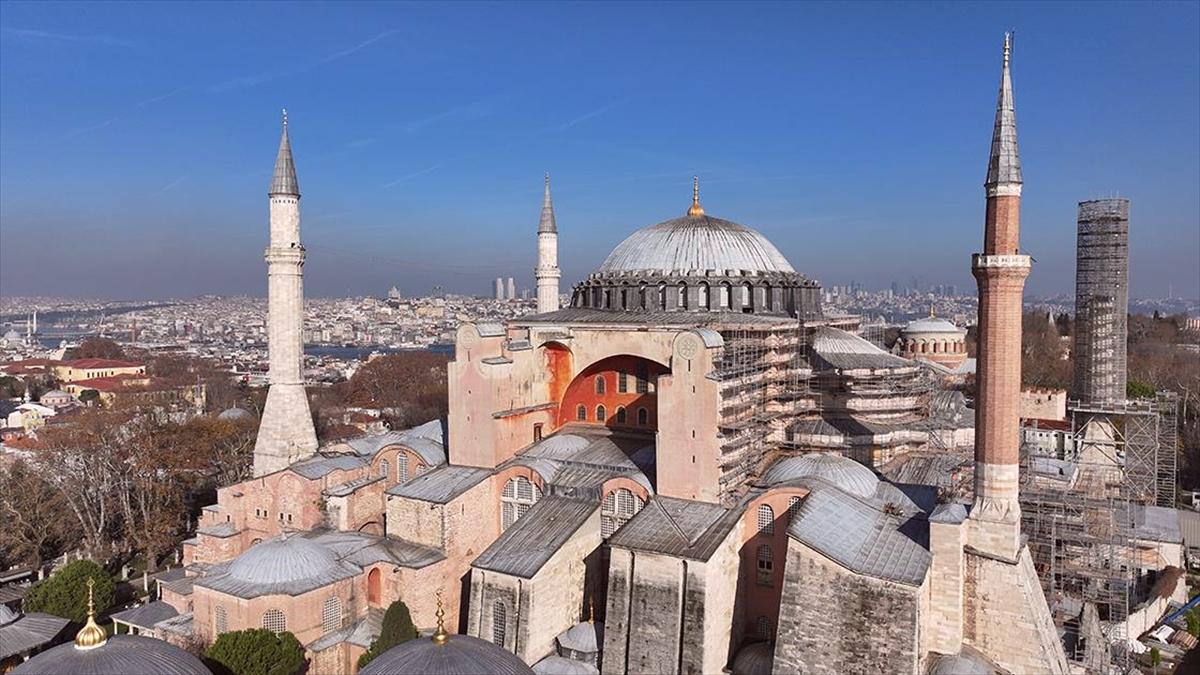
{"x":440,"y":636}
{"x":931,"y":309}
{"x":91,"y":635}
{"x":1007,"y":47}
{"x":285,"y":118}
{"x":696,"y":210}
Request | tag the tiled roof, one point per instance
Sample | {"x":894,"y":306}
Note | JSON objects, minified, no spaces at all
{"x":29,"y":632}
{"x":145,"y":616}
{"x":677,"y":527}
{"x":528,"y":543}
{"x":442,"y":484}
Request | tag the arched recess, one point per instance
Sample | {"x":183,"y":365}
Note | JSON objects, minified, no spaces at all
{"x":374,"y":587}
{"x":640,"y":377}
{"x":558,"y":362}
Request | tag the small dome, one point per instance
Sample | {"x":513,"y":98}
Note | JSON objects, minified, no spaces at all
{"x":833,"y":468}
{"x":458,"y":654}
{"x":931,"y":324}
{"x":754,"y":659}
{"x":959,"y":664}
{"x":234,"y":414}
{"x":684,"y":245}
{"x":560,"y":665}
{"x":587,"y":637}
{"x":283,"y":560}
{"x":120,"y":655}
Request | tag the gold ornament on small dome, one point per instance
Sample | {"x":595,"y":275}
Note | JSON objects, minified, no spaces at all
{"x":91,"y":635}
{"x":440,"y":636}
{"x":695,"y":211}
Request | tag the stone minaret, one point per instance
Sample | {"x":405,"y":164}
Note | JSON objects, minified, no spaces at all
{"x":286,"y":432}
{"x":1000,"y":271}
{"x":547,"y":271}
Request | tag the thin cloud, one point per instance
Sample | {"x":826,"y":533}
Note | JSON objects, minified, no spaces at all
{"x":163,"y":97}
{"x":401,"y":179}
{"x":170,"y":185}
{"x":362,"y":45}
{"x":361,"y":142}
{"x":470,"y":111}
{"x":587,"y":116}
{"x":45,"y":36}
{"x":255,"y":79}
{"x":94,"y":127}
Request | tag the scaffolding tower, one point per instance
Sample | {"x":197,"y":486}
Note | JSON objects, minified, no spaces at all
{"x":1101,"y":301}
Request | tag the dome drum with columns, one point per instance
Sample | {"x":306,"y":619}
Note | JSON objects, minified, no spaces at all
{"x":699,"y":263}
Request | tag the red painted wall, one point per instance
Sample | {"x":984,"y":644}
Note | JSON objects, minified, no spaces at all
{"x":582,"y":391}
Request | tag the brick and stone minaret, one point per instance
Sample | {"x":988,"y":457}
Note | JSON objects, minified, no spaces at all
{"x":286,"y":432}
{"x":1000,"y":271}
{"x":547,"y":272}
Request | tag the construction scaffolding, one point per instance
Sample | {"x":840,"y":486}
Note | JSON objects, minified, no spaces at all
{"x":1101,"y":301}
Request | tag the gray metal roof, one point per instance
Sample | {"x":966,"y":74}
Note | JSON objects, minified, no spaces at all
{"x":841,"y":471}
{"x":279,"y":566}
{"x":656,"y":318}
{"x":121,"y":655}
{"x":1156,"y":523}
{"x":859,"y":536}
{"x":547,"y":223}
{"x":951,"y":513}
{"x":931,"y":324}
{"x":677,"y":527}
{"x":363,"y":549}
{"x":442,"y":484}
{"x":427,"y":440}
{"x":585,"y":636}
{"x":321,"y":465}
{"x":1189,"y":527}
{"x":560,"y":665}
{"x":145,"y":616}
{"x":1004,"y":162}
{"x":352,"y":486}
{"x":835,"y":348}
{"x":29,"y":632}
{"x":461,"y":654}
{"x":536,"y":536}
{"x":694,"y":243}
{"x":283,"y":180}
{"x":221,"y":530}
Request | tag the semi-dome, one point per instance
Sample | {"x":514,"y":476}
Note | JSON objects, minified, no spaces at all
{"x":695,"y":243}
{"x":754,"y":659}
{"x":118,"y":655}
{"x":833,"y":468}
{"x":453,"y":655}
{"x":283,"y":560}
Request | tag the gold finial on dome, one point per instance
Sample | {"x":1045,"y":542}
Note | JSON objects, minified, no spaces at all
{"x":91,"y":635}
{"x":696,"y":210}
{"x":440,"y":636}
{"x":931,"y":315}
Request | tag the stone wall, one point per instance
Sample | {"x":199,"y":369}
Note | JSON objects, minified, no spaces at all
{"x":836,"y":622}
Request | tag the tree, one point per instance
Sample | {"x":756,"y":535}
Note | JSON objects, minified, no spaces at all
{"x":65,"y":592}
{"x":1136,"y":389}
{"x":256,"y":651}
{"x":37,"y":523}
{"x":410,"y":386}
{"x":1193,"y":622}
{"x":11,"y":387}
{"x":1155,"y":658}
{"x":89,"y":396}
{"x":99,"y":348}
{"x":397,"y":628}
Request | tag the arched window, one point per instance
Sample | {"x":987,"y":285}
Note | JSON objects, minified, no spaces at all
{"x":766,"y":565}
{"x":702,"y":296}
{"x":622,"y":382}
{"x":766,"y":519}
{"x":725,"y":294}
{"x":402,"y":466}
{"x":331,"y":615}
{"x":624,"y":298}
{"x":618,"y":507}
{"x":682,"y":300}
{"x":596,"y":296}
{"x":621,"y":416}
{"x":383,"y":468}
{"x":220,"y":619}
{"x":793,"y":507}
{"x":374,"y":586}
{"x":642,"y":296}
{"x":643,"y":379}
{"x":643,"y":416}
{"x":519,"y":494}
{"x":763,"y":628}
{"x":608,"y":299}
{"x":600,"y":413}
{"x":274,"y":621}
{"x":662,"y":296}
{"x":499,"y":622}
{"x":581,"y":413}
{"x":600,"y":385}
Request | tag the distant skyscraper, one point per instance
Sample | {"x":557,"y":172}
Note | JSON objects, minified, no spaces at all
{"x":547,"y":272}
{"x":499,"y":288}
{"x":286,"y":432}
{"x":510,"y":289}
{"x":1101,"y":300}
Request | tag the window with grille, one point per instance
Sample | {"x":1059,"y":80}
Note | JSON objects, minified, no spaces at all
{"x":725,"y":293}
{"x":793,"y":507}
{"x":621,"y":415}
{"x":600,"y":413}
{"x":581,"y":413}
{"x":402,"y":467}
{"x":763,"y":628}
{"x":702,"y":296}
{"x":519,"y":494}
{"x":643,"y":416}
{"x":622,"y":383}
{"x":220,"y":619}
{"x":383,"y":468}
{"x":274,"y":621}
{"x":331,"y":615}
{"x":617,"y":509}
{"x":499,"y":622}
{"x":766,"y":520}
{"x":662,"y":296}
{"x":681,"y":300}
{"x":643,"y":380}
{"x":765,"y":565}
{"x":599,"y":384}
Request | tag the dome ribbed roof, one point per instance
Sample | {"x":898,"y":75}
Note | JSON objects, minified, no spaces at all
{"x":459,"y":654}
{"x":833,"y":468}
{"x":281,"y":561}
{"x":931,"y":324}
{"x":692,"y":243}
{"x":121,"y":655}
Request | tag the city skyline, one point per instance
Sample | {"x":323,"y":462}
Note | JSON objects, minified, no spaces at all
{"x":151,"y":186}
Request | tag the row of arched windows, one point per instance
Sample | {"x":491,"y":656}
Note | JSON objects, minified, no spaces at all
{"x":275,"y":620}
{"x":617,"y":509}
{"x":936,"y":347}
{"x":707,"y":297}
{"x":518,"y":496}
{"x":384,"y":468}
{"x":622,"y":416}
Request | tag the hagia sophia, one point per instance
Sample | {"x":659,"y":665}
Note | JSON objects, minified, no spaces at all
{"x":679,"y":472}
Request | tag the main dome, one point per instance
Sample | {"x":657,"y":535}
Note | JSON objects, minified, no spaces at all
{"x":695,"y":244}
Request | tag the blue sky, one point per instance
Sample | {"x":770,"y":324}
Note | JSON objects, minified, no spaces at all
{"x":136,"y":141}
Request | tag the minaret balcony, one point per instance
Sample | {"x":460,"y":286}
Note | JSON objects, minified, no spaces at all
{"x":981,"y":261}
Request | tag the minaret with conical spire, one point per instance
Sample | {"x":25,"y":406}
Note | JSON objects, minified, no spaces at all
{"x":547,"y":272}
{"x":286,"y":433}
{"x":1000,"y":271}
